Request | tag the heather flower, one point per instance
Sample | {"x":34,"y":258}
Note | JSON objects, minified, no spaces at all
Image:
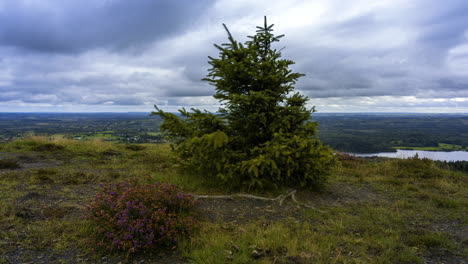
{"x":132,"y":217}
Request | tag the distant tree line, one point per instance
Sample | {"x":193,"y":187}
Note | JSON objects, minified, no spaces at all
{"x":368,"y":133}
{"x":454,"y":165}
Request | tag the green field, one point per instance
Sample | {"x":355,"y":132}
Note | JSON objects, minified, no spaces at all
{"x":356,"y":133}
{"x":441,"y":147}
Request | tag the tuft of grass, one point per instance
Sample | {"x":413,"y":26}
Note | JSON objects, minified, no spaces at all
{"x":9,"y":164}
{"x":43,"y":176}
{"x":445,"y":202}
{"x":296,"y":242}
{"x":430,"y":240}
{"x":39,"y":144}
{"x":48,"y":147}
{"x":57,"y":212}
{"x":58,"y":234}
{"x":135,"y":147}
{"x":111,"y":153}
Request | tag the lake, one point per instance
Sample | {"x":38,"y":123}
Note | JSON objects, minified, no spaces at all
{"x":433,"y":155}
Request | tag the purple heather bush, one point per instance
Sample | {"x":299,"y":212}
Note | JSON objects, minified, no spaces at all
{"x":133,"y":217}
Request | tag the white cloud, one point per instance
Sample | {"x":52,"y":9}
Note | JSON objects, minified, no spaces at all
{"x":357,"y":55}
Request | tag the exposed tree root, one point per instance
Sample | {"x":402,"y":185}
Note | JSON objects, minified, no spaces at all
{"x":281,"y":198}
{"x":293,"y":197}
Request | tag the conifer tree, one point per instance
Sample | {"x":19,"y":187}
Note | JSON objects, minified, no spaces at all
{"x":262,"y":135}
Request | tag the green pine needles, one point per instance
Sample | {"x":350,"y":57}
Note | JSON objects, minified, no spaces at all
{"x":262,"y":135}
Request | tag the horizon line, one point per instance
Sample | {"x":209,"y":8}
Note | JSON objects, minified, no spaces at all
{"x":142,"y":112}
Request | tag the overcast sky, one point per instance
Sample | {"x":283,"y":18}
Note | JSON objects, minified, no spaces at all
{"x":126,"y":55}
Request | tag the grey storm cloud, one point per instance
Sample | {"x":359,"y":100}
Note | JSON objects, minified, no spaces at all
{"x":105,"y":54}
{"x":73,"y":26}
{"x":447,"y":27}
{"x":357,"y":68}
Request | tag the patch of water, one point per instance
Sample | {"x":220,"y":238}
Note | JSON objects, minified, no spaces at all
{"x":433,"y":155}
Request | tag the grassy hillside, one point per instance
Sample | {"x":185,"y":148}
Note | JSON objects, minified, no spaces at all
{"x":371,"y":211}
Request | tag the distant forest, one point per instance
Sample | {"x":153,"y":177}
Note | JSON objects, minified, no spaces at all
{"x":122,"y":127}
{"x":369,"y":133}
{"x":358,"y":133}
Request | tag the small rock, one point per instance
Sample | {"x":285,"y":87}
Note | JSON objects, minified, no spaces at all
{"x":229,"y":255}
{"x":235,"y":248}
{"x":256,"y":254}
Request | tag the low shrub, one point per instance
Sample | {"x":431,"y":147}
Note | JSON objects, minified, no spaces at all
{"x":133,"y":217}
